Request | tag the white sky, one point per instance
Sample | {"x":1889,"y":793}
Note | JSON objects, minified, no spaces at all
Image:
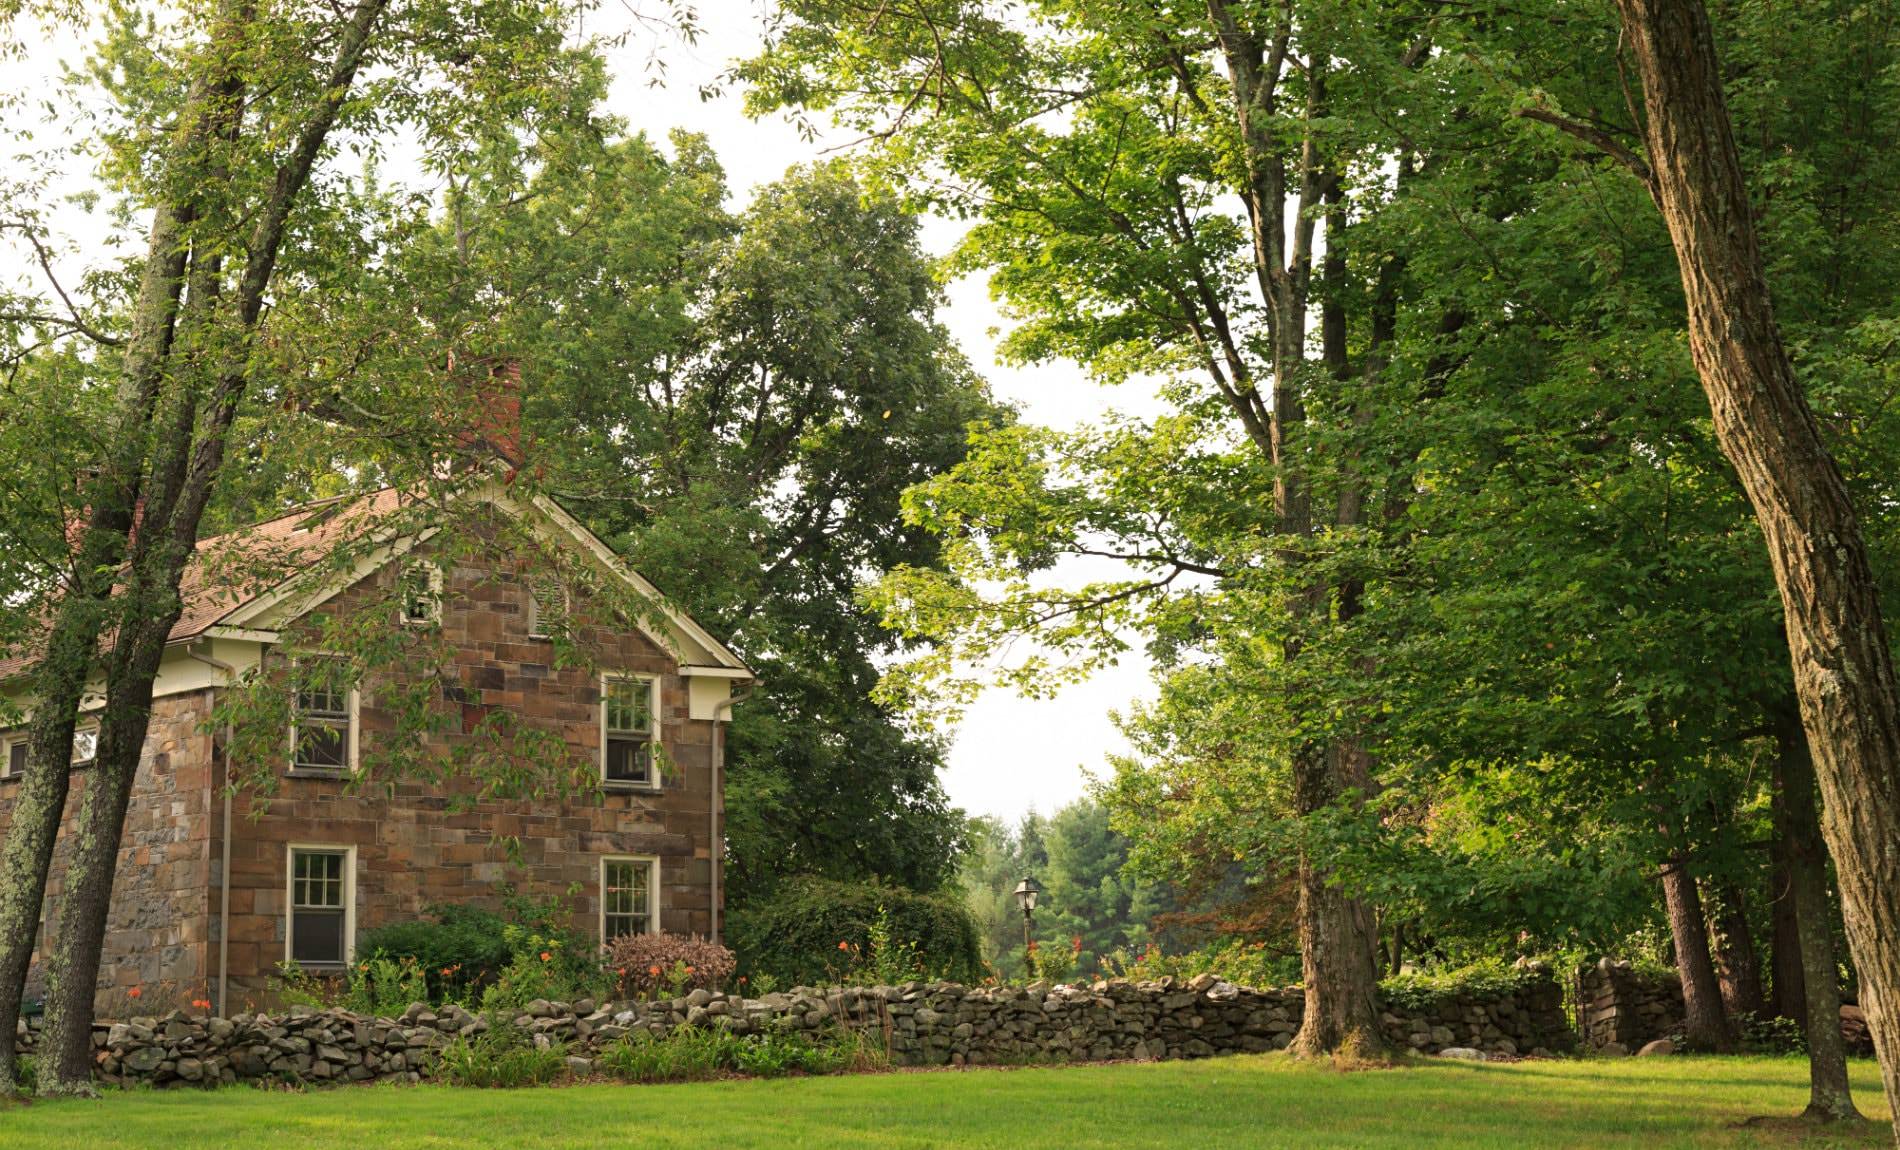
{"x":1010,"y":754}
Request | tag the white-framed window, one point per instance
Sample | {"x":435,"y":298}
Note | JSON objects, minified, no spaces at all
{"x":85,"y":744}
{"x":547,"y":607}
{"x":13,"y":755}
{"x":419,"y":591}
{"x":323,"y":715}
{"x":320,"y":904}
{"x":629,"y":896}
{"x":629,"y":729}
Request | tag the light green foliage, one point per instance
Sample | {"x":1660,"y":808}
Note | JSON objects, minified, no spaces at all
{"x":500,"y":1056}
{"x":380,"y":987}
{"x":688,"y":1054}
{"x":1486,"y":978}
{"x":1243,"y":963}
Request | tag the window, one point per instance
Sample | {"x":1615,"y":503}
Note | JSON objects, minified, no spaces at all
{"x":547,"y":608}
{"x":627,"y":730}
{"x":85,"y":746}
{"x":420,"y":589}
{"x":14,"y":764}
{"x":322,"y":900}
{"x":629,"y":903}
{"x":323,"y":727}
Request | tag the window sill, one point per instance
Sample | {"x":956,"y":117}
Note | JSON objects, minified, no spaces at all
{"x":623,"y":786}
{"x":319,"y":773}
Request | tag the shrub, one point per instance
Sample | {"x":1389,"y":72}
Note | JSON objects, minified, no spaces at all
{"x":550,"y":966}
{"x":500,"y":1056}
{"x":1236,"y":960}
{"x":1771,"y":1035}
{"x":689,"y":1053}
{"x":667,"y":965}
{"x":459,"y":948}
{"x":1485,"y":978}
{"x":382,"y":987}
{"x":792,"y":932}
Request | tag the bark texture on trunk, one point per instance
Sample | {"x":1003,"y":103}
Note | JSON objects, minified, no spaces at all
{"x":186,"y":456}
{"x":1836,"y":635}
{"x":1339,"y":939}
{"x":1798,"y":823}
{"x":1704,"y":1022}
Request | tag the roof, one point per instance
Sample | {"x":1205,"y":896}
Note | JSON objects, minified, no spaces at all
{"x":215,"y":586}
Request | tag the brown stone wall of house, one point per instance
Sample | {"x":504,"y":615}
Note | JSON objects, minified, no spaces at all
{"x":158,"y":934}
{"x":416,"y":846}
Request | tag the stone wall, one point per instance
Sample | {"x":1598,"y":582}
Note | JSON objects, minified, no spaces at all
{"x":932,"y":1024}
{"x":1620,"y":1010}
{"x":158,"y":929}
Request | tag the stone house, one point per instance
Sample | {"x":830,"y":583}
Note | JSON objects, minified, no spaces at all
{"x":216,"y":887}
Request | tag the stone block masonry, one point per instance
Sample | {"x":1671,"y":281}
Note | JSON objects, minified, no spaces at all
{"x":921,"y":1024}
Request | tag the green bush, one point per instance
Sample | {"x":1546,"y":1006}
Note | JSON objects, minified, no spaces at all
{"x":501,"y":1056}
{"x":459,"y":948}
{"x":1236,"y":960}
{"x":1486,"y":978}
{"x":689,"y":1054}
{"x":793,"y":933}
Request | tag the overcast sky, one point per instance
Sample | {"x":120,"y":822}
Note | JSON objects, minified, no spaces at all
{"x":1010,"y":754}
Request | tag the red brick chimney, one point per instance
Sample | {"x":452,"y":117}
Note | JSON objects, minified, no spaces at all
{"x":489,"y":392}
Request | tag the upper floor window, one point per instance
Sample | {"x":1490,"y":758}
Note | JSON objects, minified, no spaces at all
{"x":13,"y":765}
{"x":85,"y":745}
{"x":547,"y":607}
{"x":323,"y":719}
{"x":627,"y":709}
{"x":421,"y":594}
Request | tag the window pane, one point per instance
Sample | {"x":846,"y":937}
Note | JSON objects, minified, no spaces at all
{"x":85,"y":745}
{"x":418,"y":593}
{"x":317,"y":879}
{"x":16,"y":756}
{"x":322,"y":744}
{"x":625,"y":908}
{"x":627,"y":760}
{"x":316,"y":936}
{"x":629,"y":705}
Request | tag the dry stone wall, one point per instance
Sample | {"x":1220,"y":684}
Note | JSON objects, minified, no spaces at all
{"x":923,"y":1024}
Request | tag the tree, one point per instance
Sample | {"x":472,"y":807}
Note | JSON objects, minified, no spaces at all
{"x":228,"y":187}
{"x":1843,"y":667}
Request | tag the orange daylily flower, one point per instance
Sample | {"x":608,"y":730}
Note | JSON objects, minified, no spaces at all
{"x":546,"y":956}
{"x":134,"y":992}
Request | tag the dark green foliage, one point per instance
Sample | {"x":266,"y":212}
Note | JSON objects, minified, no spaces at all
{"x":793,"y":932}
{"x":457,"y":946}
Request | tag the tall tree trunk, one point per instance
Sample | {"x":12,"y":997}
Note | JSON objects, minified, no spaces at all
{"x":1798,"y":824}
{"x":186,"y":460}
{"x":1338,"y":934}
{"x":1790,"y":996}
{"x":81,"y":616}
{"x":1738,"y":965}
{"x":1704,"y":1023}
{"x":1843,"y":670}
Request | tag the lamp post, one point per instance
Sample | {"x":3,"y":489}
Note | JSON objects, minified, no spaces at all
{"x":1026,"y":892}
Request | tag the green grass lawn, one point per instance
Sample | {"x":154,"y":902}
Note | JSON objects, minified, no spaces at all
{"x":1244,"y":1101}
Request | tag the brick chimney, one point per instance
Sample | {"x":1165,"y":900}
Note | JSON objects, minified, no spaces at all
{"x":488,"y":391}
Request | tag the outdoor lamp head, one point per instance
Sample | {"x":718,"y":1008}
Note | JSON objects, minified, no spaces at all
{"x":1026,"y":892}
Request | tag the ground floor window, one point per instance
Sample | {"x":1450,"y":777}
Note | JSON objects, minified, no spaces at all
{"x":629,"y":897}
{"x":322,"y":902}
